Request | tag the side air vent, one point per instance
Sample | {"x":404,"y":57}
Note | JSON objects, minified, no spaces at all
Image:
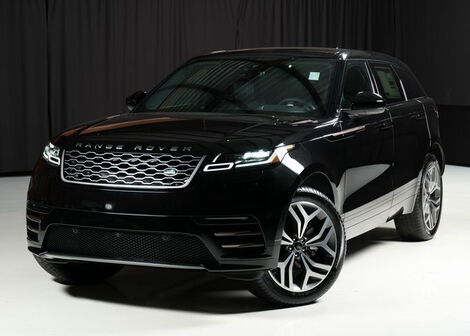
{"x":34,"y":213}
{"x":235,"y":235}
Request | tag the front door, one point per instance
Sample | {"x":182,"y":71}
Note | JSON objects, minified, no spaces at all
{"x":368,"y":140}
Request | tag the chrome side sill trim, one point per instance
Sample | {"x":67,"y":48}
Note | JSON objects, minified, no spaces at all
{"x":59,"y":257}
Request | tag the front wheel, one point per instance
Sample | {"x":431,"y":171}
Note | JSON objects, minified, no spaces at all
{"x":313,"y":247}
{"x":423,"y":222}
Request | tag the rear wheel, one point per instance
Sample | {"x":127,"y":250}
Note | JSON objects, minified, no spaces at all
{"x":78,"y":273}
{"x":313,"y":247}
{"x":423,"y":222}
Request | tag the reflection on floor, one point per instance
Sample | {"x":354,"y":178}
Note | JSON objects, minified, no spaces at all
{"x":387,"y":287}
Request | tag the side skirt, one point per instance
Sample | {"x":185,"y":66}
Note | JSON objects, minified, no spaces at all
{"x":375,"y":213}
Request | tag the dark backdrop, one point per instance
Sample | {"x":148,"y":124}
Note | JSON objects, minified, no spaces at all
{"x":435,"y":35}
{"x":23,"y":83}
{"x":64,"y":62}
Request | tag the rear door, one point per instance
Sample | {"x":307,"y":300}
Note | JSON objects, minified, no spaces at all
{"x":410,"y":134}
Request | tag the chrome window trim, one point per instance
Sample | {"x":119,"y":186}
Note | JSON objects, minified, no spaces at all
{"x":124,"y":186}
{"x":375,"y":87}
{"x":403,"y":88}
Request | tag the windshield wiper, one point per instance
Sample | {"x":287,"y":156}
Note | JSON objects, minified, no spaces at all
{"x":219,"y":94}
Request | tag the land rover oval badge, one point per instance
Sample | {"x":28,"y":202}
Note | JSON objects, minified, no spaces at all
{"x":169,"y":172}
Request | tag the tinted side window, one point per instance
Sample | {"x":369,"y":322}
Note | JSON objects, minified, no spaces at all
{"x":412,"y":87}
{"x":388,"y":82}
{"x":356,"y":79}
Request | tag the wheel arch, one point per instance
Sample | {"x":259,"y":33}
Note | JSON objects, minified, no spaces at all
{"x":320,"y":181}
{"x":437,"y":150}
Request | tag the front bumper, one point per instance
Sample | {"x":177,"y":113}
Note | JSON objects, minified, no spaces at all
{"x":235,"y":215}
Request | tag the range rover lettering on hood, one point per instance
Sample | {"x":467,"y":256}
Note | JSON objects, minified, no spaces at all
{"x":134,"y":148}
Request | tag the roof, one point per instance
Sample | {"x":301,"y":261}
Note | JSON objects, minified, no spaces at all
{"x":333,"y":53}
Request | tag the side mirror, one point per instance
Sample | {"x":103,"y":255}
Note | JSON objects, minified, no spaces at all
{"x":135,"y":99}
{"x":367,"y":103}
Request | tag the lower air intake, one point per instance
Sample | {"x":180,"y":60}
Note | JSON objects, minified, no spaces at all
{"x":159,"y":248}
{"x":237,"y":236}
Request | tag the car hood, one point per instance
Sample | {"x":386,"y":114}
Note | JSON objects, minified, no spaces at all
{"x":203,"y":132}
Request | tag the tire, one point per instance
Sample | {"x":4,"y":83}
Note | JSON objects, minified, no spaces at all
{"x":299,"y":250}
{"x":72,"y":273}
{"x":423,"y":222}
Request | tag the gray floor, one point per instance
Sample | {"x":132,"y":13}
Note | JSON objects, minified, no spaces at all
{"x":387,"y":287}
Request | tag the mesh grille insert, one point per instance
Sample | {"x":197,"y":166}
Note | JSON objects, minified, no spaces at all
{"x":130,"y":169}
{"x":163,"y":248}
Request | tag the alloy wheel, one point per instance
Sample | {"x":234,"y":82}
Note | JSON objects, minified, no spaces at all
{"x":431,"y":196}
{"x":309,"y":247}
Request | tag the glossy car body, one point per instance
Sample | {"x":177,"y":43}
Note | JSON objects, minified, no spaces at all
{"x":368,"y":165}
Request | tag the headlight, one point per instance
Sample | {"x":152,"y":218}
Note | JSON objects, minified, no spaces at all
{"x":254,"y":158}
{"x":52,"y":154}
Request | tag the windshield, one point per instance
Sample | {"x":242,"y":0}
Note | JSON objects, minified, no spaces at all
{"x":281,"y":87}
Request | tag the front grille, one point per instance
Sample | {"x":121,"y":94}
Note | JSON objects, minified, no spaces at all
{"x":136,"y":170}
{"x":159,"y":248}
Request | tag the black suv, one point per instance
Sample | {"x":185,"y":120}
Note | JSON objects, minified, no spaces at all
{"x":256,"y":164}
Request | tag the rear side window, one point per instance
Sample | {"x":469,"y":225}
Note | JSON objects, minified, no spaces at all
{"x":388,"y":82}
{"x":412,"y":87}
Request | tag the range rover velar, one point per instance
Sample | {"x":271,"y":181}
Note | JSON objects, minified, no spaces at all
{"x":256,"y":164}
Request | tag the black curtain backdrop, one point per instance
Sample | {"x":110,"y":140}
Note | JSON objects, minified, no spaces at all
{"x":435,"y":46}
{"x":23,"y":83}
{"x":359,"y":24}
{"x":100,"y":51}
{"x":65,"y":62}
